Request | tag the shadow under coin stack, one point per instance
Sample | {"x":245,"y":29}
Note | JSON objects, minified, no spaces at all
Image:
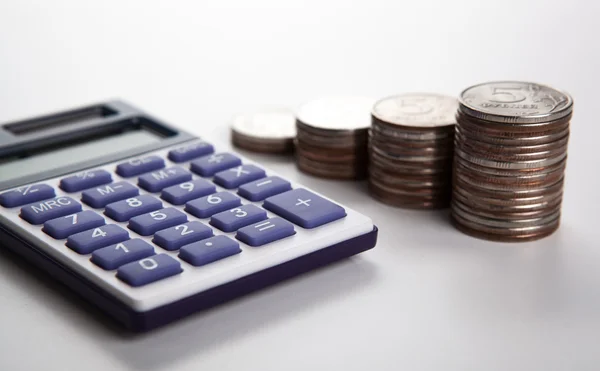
{"x":411,"y":146}
{"x":510,"y":158}
{"x":332,"y":136}
{"x":269,"y":130}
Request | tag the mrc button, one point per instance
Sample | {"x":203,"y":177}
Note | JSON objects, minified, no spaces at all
{"x":41,"y":212}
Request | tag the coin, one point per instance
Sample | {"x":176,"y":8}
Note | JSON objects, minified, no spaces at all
{"x":267,"y":130}
{"x":510,"y":156}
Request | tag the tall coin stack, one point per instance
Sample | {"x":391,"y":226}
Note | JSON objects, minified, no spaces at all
{"x":510,"y":158}
{"x":411,"y":147}
{"x":332,"y":136}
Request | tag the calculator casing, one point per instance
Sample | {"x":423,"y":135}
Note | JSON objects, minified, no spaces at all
{"x":135,"y":320}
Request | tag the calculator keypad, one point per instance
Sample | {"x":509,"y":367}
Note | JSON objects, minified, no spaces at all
{"x":143,"y":235}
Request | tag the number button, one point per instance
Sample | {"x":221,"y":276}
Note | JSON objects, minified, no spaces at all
{"x":88,"y":241}
{"x":148,"y":224}
{"x":114,"y":256}
{"x":210,"y":165}
{"x":190,"y":151}
{"x":149,"y":270}
{"x":85,"y":180}
{"x":184,"y":192}
{"x":234,"y":219}
{"x":139,"y":166}
{"x":122,"y":211}
{"x":65,"y":226}
{"x":102,"y":196}
{"x":237,"y":176}
{"x":158,"y":180}
{"x":209,"y":250}
{"x":263,"y":188}
{"x":175,"y":237}
{"x":40,"y":213}
{"x":206,"y":207}
{"x":26,"y":194}
{"x":261,"y":233}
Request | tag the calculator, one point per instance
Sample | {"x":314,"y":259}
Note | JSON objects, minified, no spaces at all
{"x":151,"y":224}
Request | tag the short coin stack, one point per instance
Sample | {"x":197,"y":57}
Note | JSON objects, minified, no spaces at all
{"x":510,"y":158}
{"x":411,"y":147}
{"x":268,"y":130}
{"x":332,"y":136}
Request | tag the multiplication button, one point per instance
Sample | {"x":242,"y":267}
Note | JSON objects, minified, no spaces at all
{"x":239,"y":175}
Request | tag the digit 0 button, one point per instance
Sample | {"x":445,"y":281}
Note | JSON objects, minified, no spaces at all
{"x":140,"y":165}
{"x":148,"y":224}
{"x":114,"y":256}
{"x":304,"y":208}
{"x":175,"y":237}
{"x":88,"y":241}
{"x":149,"y":270}
{"x":85,"y":180}
{"x":184,"y":192}
{"x":26,"y":195}
{"x":65,"y":226}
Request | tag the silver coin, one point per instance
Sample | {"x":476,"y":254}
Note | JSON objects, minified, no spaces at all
{"x":426,"y":135}
{"x":498,"y":223}
{"x":340,"y":113}
{"x":515,"y":102}
{"x":423,"y":110}
{"x":266,"y":123}
{"x":531,"y":164}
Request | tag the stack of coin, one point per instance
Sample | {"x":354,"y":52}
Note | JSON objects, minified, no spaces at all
{"x":510,"y":158}
{"x":411,"y":143}
{"x":268,"y":130}
{"x":332,"y":137}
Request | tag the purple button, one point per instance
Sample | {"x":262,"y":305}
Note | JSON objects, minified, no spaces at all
{"x":85,"y":180}
{"x":157,"y":180}
{"x":149,"y":270}
{"x":26,"y":195}
{"x":237,"y":176}
{"x":269,"y":230}
{"x":140,"y":165}
{"x":65,"y":226}
{"x":234,"y":219}
{"x":122,"y":211}
{"x":263,"y":188}
{"x":210,"y":165}
{"x":155,"y":221}
{"x":114,"y":256}
{"x":184,"y":192}
{"x":304,"y":208}
{"x":175,"y":237}
{"x":206,"y":207}
{"x":88,"y":241}
{"x":190,"y":151}
{"x":101,"y":196}
{"x":39,"y":213}
{"x":209,"y":250}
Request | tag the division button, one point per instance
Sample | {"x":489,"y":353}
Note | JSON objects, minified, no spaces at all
{"x":114,"y":256}
{"x":85,"y":180}
{"x":184,"y":192}
{"x":122,"y":211}
{"x":88,"y":241}
{"x":269,"y":230}
{"x":148,"y":224}
{"x":175,"y":237}
{"x":65,"y":226}
{"x":26,"y":195}
{"x":149,"y":270}
{"x":157,"y":180}
{"x":190,"y":151}
{"x":236,"y":218}
{"x":209,"y":250}
{"x":239,"y":175}
{"x":101,"y":196}
{"x":263,"y":188}
{"x":304,"y":208}
{"x":39,"y":213}
{"x":140,"y":165}
{"x":210,"y":165}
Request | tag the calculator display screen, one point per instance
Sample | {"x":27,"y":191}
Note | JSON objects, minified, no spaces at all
{"x":73,"y":153}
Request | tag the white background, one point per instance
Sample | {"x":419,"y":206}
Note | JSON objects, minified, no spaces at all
{"x":427,"y":297}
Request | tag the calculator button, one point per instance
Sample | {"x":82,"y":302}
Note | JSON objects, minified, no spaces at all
{"x":102,"y":196}
{"x":175,"y":237}
{"x":149,"y":270}
{"x":157,"y":180}
{"x":65,"y":226}
{"x":237,"y":176}
{"x":304,"y":208}
{"x":88,"y":241}
{"x":39,"y":213}
{"x":139,"y":166}
{"x":263,"y":188}
{"x":206,"y":207}
{"x":85,"y":180}
{"x":26,"y":195}
{"x":184,"y":192}
{"x":210,"y":165}
{"x":266,"y":231}
{"x":190,"y":151}
{"x":114,"y":256}
{"x":234,"y":219}
{"x":209,"y":250}
{"x":155,"y":221}
{"x":122,"y":211}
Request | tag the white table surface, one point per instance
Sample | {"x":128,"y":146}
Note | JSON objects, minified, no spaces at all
{"x":427,"y":297}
